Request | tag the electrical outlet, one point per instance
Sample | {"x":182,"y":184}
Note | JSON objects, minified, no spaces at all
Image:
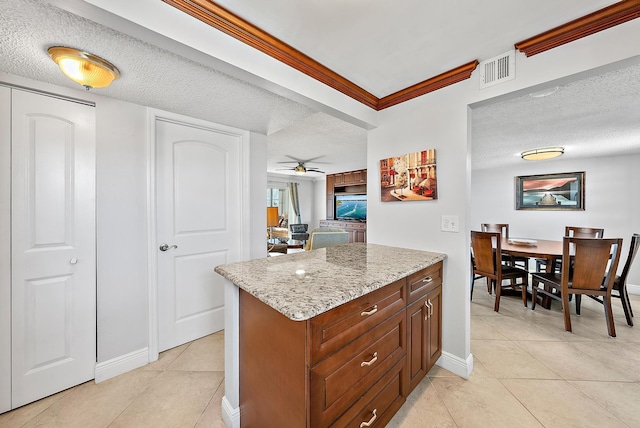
{"x":450,"y":223}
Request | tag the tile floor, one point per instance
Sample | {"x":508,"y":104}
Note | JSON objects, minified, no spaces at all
{"x":528,"y":372}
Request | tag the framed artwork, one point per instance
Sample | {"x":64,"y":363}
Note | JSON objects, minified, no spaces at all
{"x":410,"y":177}
{"x":559,"y":192}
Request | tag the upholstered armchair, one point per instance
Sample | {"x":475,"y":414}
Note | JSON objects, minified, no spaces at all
{"x":323,"y":237}
{"x":299,"y":232}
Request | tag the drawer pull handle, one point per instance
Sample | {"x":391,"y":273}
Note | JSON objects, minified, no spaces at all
{"x":371,"y":361}
{"x":427,"y":279}
{"x":371,"y":312}
{"x":373,"y":418}
{"x":426,"y":316}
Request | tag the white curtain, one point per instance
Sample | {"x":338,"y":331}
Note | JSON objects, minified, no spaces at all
{"x":295,"y":204}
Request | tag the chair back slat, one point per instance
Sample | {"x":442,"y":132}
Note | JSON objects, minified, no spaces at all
{"x":482,"y":244}
{"x":594,"y":262}
{"x":583,"y":232}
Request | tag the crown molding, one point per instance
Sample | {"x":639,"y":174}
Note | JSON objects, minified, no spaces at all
{"x":440,"y":81}
{"x":218,"y":17}
{"x":599,"y":20}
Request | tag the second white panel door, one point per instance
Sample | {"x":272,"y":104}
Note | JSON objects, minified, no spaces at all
{"x":198,"y":227}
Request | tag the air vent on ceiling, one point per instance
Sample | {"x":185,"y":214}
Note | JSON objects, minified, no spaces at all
{"x":498,"y":69}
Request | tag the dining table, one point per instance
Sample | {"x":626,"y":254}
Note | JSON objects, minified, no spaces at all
{"x":534,"y":248}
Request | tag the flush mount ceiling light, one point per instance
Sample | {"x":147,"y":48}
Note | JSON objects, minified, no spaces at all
{"x":300,"y":169}
{"x":544,"y":93}
{"x":542,"y":154}
{"x":84,"y":68}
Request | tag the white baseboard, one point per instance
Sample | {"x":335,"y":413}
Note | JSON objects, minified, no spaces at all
{"x":230,"y":416}
{"x":456,"y":365}
{"x":122,"y":364}
{"x":633,"y":289}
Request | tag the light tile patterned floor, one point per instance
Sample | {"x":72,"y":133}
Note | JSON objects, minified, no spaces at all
{"x":527,"y":372}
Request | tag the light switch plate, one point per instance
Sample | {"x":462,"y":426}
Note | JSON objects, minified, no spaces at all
{"x":450,"y":223}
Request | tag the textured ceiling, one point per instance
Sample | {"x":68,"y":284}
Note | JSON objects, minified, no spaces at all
{"x":594,"y":116}
{"x":379,"y":45}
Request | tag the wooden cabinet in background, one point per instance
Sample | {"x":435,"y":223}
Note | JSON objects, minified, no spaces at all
{"x":354,"y":182}
{"x":331,"y":180}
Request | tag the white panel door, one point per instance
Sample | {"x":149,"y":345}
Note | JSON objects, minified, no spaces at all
{"x":52,"y":246}
{"x":198,"y":221}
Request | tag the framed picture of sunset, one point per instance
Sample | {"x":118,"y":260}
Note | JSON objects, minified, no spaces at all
{"x":558,"y":192}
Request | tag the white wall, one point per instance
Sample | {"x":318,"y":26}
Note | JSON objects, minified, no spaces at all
{"x":441,"y":120}
{"x":121,"y":223}
{"x":611,"y":201}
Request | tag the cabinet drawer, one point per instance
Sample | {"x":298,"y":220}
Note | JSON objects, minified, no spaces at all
{"x":419,"y":283}
{"x":357,"y":226}
{"x":335,"y":329}
{"x":341,"y":379}
{"x":384,"y":398}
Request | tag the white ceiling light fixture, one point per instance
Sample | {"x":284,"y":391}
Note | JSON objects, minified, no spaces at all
{"x":544,"y":93}
{"x":542,"y":154}
{"x":84,"y":68}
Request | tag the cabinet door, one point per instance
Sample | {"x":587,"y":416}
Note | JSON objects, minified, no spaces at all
{"x":356,"y":176}
{"x":434,"y":327}
{"x":348,"y":177}
{"x":417,"y":342}
{"x":330,"y":208}
{"x":330,"y":184}
{"x":424,"y":347}
{"x":339,"y":179}
{"x":361,"y":236}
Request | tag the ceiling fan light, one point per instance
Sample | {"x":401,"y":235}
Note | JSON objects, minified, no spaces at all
{"x":542,"y":154}
{"x":300,"y":169}
{"x":86,"y":69}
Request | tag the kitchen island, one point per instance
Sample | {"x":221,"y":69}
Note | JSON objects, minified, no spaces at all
{"x":339,"y":335}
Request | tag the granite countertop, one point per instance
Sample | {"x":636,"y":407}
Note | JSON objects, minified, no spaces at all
{"x":305,"y":284}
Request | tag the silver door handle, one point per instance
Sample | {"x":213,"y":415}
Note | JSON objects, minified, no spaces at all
{"x":165,"y":247}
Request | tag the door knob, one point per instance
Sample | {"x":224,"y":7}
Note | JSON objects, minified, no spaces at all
{"x":165,"y":247}
{"x":73,"y":261}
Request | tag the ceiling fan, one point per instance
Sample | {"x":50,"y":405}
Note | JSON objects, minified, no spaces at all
{"x":301,"y":168}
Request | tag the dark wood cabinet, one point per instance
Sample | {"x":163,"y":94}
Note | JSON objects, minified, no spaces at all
{"x":424,"y":323}
{"x":344,"y":366}
{"x":331,"y":180}
{"x":330,"y":208}
{"x":338,"y":179}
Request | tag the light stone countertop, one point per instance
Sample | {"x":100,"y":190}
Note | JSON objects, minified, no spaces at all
{"x":305,"y":284}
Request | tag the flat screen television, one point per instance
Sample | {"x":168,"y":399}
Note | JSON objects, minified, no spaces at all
{"x":351,"y":207}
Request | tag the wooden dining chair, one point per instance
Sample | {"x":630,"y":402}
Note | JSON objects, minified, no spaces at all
{"x":591,"y":261}
{"x":620,"y":283}
{"x":572,"y":231}
{"x":503,"y":229}
{"x":485,"y":246}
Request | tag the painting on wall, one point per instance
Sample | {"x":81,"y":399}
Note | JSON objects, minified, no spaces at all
{"x":550,"y":191}
{"x":410,"y":177}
